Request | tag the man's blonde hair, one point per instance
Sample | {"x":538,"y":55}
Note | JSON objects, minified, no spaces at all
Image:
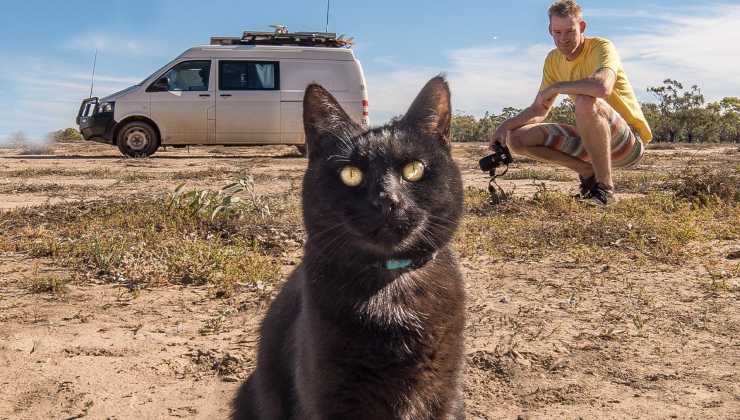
{"x":565,"y":8}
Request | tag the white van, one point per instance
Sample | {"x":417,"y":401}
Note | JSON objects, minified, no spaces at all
{"x":236,"y":91}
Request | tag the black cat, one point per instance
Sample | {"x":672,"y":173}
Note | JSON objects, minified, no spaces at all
{"x":370,"y":325}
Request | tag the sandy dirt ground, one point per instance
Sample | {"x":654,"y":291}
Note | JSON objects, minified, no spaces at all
{"x":544,"y":339}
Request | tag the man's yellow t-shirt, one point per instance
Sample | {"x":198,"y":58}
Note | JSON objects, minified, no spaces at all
{"x":599,"y":53}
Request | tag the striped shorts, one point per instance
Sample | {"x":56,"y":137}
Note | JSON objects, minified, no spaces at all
{"x":627,"y":148}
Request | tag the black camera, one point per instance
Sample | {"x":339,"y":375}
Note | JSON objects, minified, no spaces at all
{"x":500,"y":156}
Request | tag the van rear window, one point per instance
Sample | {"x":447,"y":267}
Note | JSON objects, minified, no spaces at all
{"x":248,"y":75}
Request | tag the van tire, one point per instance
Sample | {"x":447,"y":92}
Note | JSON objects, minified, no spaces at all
{"x":137,"y":139}
{"x":302,"y":149}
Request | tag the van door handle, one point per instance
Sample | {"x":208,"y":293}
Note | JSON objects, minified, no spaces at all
{"x":224,"y":94}
{"x":204,"y":95}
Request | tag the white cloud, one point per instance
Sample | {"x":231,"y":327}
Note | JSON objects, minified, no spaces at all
{"x":619,"y":13}
{"x":386,"y":60}
{"x":692,"y":47}
{"x":696,"y":48}
{"x":43,"y":100}
{"x":481,"y":78}
{"x":112,"y":44}
{"x":105,"y":78}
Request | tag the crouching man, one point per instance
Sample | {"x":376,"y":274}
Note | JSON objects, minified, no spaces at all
{"x":610,"y":129}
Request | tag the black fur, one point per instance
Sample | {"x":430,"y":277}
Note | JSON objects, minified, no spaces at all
{"x":347,"y":338}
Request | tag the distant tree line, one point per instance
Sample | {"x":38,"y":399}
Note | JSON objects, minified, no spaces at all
{"x":679,"y":115}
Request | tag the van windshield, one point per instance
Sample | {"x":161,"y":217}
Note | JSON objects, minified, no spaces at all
{"x":155,"y":72}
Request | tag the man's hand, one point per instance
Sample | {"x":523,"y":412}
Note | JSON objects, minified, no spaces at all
{"x":546,"y":98}
{"x":501,"y":136}
{"x":533,"y":114}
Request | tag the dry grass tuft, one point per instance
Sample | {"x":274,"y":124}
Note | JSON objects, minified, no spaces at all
{"x":640,"y":182}
{"x":657,"y":227}
{"x":145,"y":242}
{"x":704,"y":185}
{"x":46,"y":283}
{"x":538,"y":175}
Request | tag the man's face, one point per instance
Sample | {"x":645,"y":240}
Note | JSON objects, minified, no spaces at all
{"x":567,"y":32}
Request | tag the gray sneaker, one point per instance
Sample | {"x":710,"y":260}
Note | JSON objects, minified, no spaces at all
{"x":600,"y":195}
{"x":586,"y":185}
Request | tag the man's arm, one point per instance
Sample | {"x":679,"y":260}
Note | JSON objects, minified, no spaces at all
{"x":533,"y":114}
{"x":599,"y":85}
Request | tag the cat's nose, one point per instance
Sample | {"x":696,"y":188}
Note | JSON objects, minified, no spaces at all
{"x":385,"y":202}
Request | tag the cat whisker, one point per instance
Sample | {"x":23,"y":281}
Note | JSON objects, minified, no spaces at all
{"x":425,"y":235}
{"x":328,"y":248}
{"x":326,"y":231}
{"x":442,"y":219}
{"x":436,"y":225}
{"x":339,"y":224}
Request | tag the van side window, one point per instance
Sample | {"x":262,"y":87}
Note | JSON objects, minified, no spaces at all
{"x":248,"y":75}
{"x":190,"y":76}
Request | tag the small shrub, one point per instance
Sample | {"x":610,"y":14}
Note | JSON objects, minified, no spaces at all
{"x":642,"y":183}
{"x":224,"y":203}
{"x":51,"y":284}
{"x":67,"y":135}
{"x":182,"y":239}
{"x":705,"y":184}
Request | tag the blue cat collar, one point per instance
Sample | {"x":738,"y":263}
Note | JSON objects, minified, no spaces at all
{"x":397,"y":264}
{"x":408,"y":263}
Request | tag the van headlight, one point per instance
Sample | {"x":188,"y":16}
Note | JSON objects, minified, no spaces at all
{"x":105,"y":107}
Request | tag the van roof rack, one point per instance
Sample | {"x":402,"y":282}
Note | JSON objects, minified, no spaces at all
{"x":281,"y":36}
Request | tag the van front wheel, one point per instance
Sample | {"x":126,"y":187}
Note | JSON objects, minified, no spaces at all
{"x":137,"y":139}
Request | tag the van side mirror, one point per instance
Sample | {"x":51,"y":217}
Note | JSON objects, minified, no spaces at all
{"x":161,"y":85}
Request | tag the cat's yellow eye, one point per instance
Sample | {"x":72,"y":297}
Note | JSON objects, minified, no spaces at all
{"x":351,"y":176}
{"x":413,"y":171}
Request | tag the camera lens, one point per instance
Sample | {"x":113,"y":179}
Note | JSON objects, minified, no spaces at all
{"x":487,"y":163}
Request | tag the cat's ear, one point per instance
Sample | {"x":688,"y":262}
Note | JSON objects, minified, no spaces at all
{"x":430,"y":113}
{"x":324,"y":120}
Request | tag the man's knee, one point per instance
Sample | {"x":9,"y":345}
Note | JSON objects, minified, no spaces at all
{"x":516,"y":142}
{"x":588,"y":107}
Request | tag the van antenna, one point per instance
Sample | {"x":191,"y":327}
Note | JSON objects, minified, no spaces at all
{"x":327,"y":16}
{"x":92,"y":79}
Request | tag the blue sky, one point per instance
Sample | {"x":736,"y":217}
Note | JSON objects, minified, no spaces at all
{"x":491,"y":51}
